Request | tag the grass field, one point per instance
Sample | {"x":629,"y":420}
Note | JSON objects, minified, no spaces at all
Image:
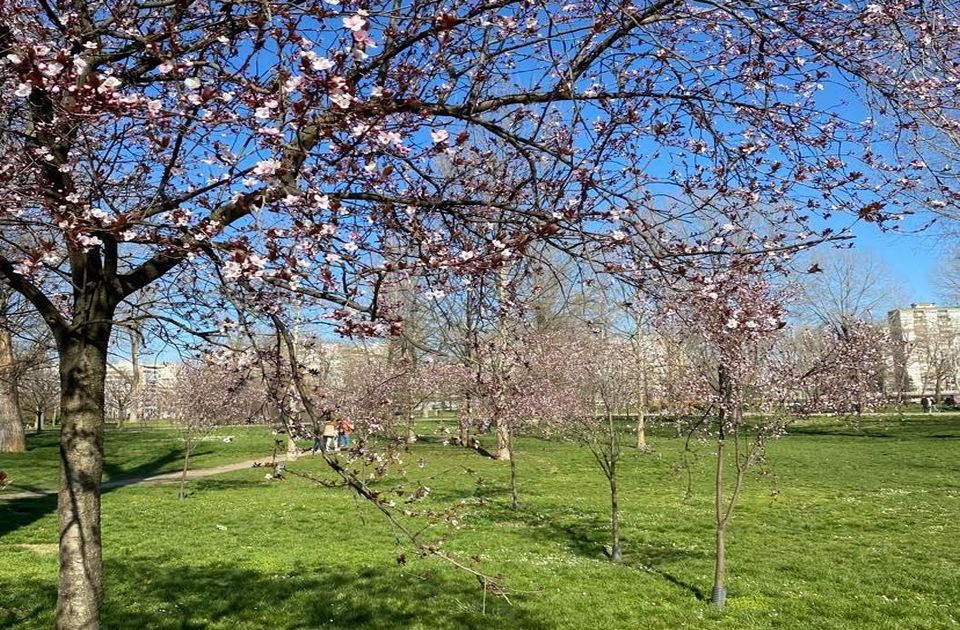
{"x":848,"y":527}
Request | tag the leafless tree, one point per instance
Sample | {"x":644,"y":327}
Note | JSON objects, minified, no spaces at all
{"x":845,"y":284}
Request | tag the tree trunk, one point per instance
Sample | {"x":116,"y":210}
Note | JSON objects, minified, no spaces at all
{"x":136,"y":383}
{"x":719,"y":594}
{"x":642,"y":412}
{"x":503,"y":438}
{"x":39,"y":420}
{"x":291,"y":447}
{"x":411,"y":426}
{"x":188,"y":446}
{"x":642,"y":430}
{"x":499,"y":372}
{"x":464,"y":421}
{"x":615,"y":553}
{"x":514,"y":495}
{"x":83,"y":368}
{"x":12,"y":439}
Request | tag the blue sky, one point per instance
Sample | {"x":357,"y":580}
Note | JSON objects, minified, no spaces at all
{"x":910,"y":258}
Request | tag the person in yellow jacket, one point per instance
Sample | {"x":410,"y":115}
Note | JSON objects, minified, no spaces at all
{"x":329,"y":435}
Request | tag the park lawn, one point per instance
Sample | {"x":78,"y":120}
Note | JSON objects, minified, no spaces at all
{"x":846,"y":527}
{"x":137,"y":452}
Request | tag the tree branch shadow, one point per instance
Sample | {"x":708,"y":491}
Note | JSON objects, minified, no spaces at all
{"x":149,"y":594}
{"x":17,"y":513}
{"x":589,"y":537}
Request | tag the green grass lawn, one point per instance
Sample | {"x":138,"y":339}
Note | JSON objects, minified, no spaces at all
{"x":847,"y":527}
{"x":137,"y":452}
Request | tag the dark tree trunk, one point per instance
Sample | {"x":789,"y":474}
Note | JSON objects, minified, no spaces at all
{"x":83,"y":368}
{"x":615,"y":553}
{"x":464,"y":421}
{"x":719,"y":593}
{"x":39,"y":420}
{"x":188,"y":447}
{"x":12,"y":439}
{"x":514,"y":494}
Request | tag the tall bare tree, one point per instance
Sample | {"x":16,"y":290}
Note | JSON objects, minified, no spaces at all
{"x":847,"y":284}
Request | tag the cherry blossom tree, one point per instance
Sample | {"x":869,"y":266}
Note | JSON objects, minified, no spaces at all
{"x":728,"y":320}
{"x":162,"y":144}
{"x":749,"y":383}
{"x":40,"y":392}
{"x":844,"y":369}
{"x":208,"y":392}
{"x":601,"y":390}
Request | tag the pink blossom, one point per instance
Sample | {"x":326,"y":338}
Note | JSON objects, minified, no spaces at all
{"x":88,"y":242}
{"x":354,"y":22}
{"x":341,"y":100}
{"x":267,"y":167}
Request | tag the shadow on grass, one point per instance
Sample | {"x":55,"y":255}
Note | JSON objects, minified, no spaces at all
{"x":839,"y":432}
{"x":17,"y":513}
{"x":144,"y":594}
{"x":907,"y":429}
{"x":648,"y":557}
{"x":589,"y":537}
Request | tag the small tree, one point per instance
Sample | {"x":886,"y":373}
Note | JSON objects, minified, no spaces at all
{"x":207,"y":393}
{"x":607,"y":368}
{"x":39,"y":393}
{"x":727,"y":320}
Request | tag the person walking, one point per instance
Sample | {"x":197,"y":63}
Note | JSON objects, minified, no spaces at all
{"x":344,"y":429}
{"x":329,"y":435}
{"x":318,"y":437}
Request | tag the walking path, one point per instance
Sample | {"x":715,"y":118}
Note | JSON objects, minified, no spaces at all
{"x":195,"y":473}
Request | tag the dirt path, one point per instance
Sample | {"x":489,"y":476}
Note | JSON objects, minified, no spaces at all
{"x":169,"y":477}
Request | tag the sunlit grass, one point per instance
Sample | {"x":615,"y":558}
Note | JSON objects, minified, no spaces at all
{"x":847,"y":527}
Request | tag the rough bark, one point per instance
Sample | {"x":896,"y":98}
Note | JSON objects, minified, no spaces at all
{"x":503,"y":438}
{"x":83,"y":367}
{"x":12,"y":439}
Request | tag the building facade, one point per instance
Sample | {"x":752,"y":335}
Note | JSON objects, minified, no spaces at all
{"x":926,"y":350}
